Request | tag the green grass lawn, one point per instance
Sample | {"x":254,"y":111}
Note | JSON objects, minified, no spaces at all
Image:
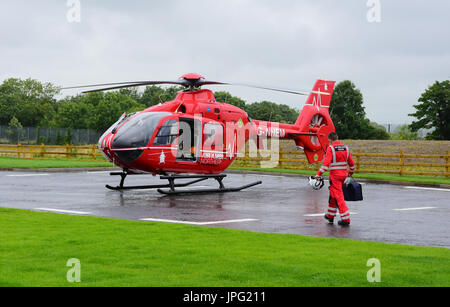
{"x":35,"y":247}
{"x":9,"y":162}
{"x":389,"y":177}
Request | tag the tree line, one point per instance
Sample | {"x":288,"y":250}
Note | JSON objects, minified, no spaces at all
{"x":30,"y":103}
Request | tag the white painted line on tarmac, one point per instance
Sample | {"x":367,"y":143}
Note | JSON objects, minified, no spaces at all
{"x":229,"y":221}
{"x":431,"y":189}
{"x":197,"y":223}
{"x":27,"y":175}
{"x":323,"y":213}
{"x":63,"y":211}
{"x":169,"y":221}
{"x":416,"y":208}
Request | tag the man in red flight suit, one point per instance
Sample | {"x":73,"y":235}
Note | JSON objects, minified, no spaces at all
{"x":336,"y":160}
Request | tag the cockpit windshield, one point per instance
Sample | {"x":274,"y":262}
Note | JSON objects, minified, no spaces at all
{"x":138,"y":131}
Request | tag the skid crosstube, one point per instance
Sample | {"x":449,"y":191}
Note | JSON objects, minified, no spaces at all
{"x":200,"y":191}
{"x":172,"y":185}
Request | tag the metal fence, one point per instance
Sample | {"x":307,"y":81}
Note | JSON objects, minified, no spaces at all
{"x":60,"y":136}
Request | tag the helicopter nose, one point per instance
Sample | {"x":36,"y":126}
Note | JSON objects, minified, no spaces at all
{"x":104,"y":145}
{"x":105,"y":141}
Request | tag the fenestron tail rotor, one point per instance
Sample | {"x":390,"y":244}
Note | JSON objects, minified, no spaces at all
{"x":316,"y":122}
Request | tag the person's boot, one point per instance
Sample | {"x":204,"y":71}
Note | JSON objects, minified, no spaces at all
{"x":344,"y":223}
{"x":330,"y":220}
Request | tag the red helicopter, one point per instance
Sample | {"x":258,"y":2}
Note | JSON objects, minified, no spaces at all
{"x":196,"y":137}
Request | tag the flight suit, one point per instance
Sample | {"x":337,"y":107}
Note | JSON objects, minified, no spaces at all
{"x":336,"y":160}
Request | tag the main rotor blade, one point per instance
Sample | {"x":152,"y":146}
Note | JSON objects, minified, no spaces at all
{"x":124,"y":85}
{"x":283,"y":90}
{"x":191,"y":83}
{"x":136,"y":84}
{"x":181,"y":82}
{"x":290,"y":91}
{"x":103,"y":84}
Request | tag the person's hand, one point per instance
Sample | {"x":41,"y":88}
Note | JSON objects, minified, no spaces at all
{"x":317,"y":177}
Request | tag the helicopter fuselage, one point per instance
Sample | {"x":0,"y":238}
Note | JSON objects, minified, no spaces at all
{"x":194,"y":133}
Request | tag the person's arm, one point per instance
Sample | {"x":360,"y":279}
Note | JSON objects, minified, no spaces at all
{"x":351,"y":165}
{"x":326,"y":163}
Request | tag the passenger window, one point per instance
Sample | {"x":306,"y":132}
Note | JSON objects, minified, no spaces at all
{"x":167,"y":134}
{"x":213,"y":136}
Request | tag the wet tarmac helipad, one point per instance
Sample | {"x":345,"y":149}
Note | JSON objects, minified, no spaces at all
{"x":389,"y":213}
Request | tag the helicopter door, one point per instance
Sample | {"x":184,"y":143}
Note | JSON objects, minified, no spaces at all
{"x":189,"y":138}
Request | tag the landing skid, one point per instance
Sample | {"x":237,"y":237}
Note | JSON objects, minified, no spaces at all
{"x":218,"y":178}
{"x":172,"y":185}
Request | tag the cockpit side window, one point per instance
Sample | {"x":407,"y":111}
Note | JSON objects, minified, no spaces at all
{"x":167,"y":134}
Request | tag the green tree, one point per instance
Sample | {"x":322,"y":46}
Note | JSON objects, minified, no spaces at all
{"x":131,"y":92}
{"x":434,"y":111}
{"x":404,"y":132}
{"x":15,"y":130}
{"x":270,"y":111}
{"x":96,"y":111}
{"x":30,"y":101}
{"x":110,"y":108}
{"x":288,"y":114}
{"x":373,"y":131}
{"x":75,"y":112}
{"x":349,"y":116}
{"x":347,"y":111}
{"x":226,"y":97}
{"x":153,"y":95}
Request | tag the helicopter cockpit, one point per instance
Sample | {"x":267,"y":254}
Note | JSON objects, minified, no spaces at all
{"x":136,"y":133}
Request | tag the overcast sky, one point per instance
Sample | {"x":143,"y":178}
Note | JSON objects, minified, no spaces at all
{"x":280,"y":43}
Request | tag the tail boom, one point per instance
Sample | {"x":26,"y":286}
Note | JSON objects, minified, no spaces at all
{"x":311,"y":129}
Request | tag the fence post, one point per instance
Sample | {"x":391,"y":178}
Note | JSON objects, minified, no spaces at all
{"x":93,"y":151}
{"x":447,"y":159}
{"x":245,"y":158}
{"x":67,"y":151}
{"x":18,"y":150}
{"x":280,"y":156}
{"x":402,"y":162}
{"x":42,"y":150}
{"x":358,"y":160}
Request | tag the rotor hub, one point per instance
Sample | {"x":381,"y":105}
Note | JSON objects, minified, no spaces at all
{"x":192,"y":76}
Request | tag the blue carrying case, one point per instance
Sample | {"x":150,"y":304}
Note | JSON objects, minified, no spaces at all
{"x":352,"y":191}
